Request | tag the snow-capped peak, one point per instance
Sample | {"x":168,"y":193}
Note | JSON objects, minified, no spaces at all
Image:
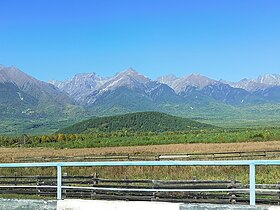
{"x":269,"y":79}
{"x":129,"y":78}
{"x":168,"y":79}
{"x":130,"y":72}
{"x":195,"y":80}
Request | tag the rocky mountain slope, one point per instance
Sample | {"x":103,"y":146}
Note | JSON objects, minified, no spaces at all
{"x":26,"y":102}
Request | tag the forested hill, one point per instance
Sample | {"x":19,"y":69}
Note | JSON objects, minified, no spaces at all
{"x":135,"y":122}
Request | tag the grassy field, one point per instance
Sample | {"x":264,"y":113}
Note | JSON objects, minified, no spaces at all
{"x":264,"y":174}
{"x":199,"y":141}
{"x":124,"y":138}
{"x":12,"y":154}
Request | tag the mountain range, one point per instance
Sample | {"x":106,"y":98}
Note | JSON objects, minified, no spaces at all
{"x":90,"y":89}
{"x":28,"y":105}
{"x":223,"y":103}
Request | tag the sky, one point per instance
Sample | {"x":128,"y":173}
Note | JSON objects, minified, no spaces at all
{"x":56,"y":39}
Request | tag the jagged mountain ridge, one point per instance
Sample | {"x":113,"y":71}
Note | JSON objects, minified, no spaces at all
{"x":91,"y":88}
{"x":172,"y":89}
{"x":260,"y":83}
{"x":268,"y":79}
{"x":81,"y":85}
{"x":247,"y":84}
{"x":193,"y":80}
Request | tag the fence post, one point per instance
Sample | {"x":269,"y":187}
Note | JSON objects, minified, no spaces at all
{"x":252,"y":184}
{"x":59,"y":181}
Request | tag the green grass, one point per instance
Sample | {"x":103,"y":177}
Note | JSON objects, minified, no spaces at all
{"x":202,"y":136}
{"x":264,"y":175}
{"x":123,"y":138}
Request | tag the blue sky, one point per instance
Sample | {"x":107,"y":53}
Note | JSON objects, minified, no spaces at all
{"x":55,"y":39}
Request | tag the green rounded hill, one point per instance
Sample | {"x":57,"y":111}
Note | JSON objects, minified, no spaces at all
{"x":136,"y":122}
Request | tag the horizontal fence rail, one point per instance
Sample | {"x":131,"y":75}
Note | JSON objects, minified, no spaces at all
{"x":160,"y":157}
{"x":59,"y":165}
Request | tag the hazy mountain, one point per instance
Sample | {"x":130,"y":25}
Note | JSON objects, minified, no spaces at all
{"x":200,"y":87}
{"x":15,"y":102}
{"x":269,"y":79}
{"x":81,"y":85}
{"x":261,"y":83}
{"x":247,"y":84}
{"x":169,"y":80}
{"x":129,"y":87}
{"x":230,"y":95}
{"x":271,"y":94}
{"x":41,"y":91}
{"x":128,"y":78}
{"x":23,"y":97}
{"x":181,"y":84}
{"x":90,"y":90}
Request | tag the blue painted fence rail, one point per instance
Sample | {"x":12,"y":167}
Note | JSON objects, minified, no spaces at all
{"x":250,"y":163}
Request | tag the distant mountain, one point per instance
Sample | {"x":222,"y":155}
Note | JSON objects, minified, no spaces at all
{"x":23,"y":97}
{"x":169,"y":80}
{"x":269,"y":79}
{"x":263,"y":82}
{"x":270,"y":94}
{"x":80,"y":86}
{"x":119,"y":91}
{"x":30,"y":105}
{"x":41,"y":91}
{"x":227,"y":94}
{"x":129,"y":91}
{"x":129,"y":79}
{"x":198,"y":86}
{"x":136,"y":122}
{"x":192,"y":80}
{"x":15,"y":102}
{"x":247,"y":84}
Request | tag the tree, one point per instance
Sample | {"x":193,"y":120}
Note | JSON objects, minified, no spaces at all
{"x":61,"y":137}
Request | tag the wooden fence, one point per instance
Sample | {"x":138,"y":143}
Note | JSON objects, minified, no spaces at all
{"x":158,"y":157}
{"x":136,"y":189}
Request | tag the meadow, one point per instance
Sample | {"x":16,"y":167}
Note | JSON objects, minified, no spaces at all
{"x":264,"y":174}
{"x":124,"y":138}
{"x":122,"y":142}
